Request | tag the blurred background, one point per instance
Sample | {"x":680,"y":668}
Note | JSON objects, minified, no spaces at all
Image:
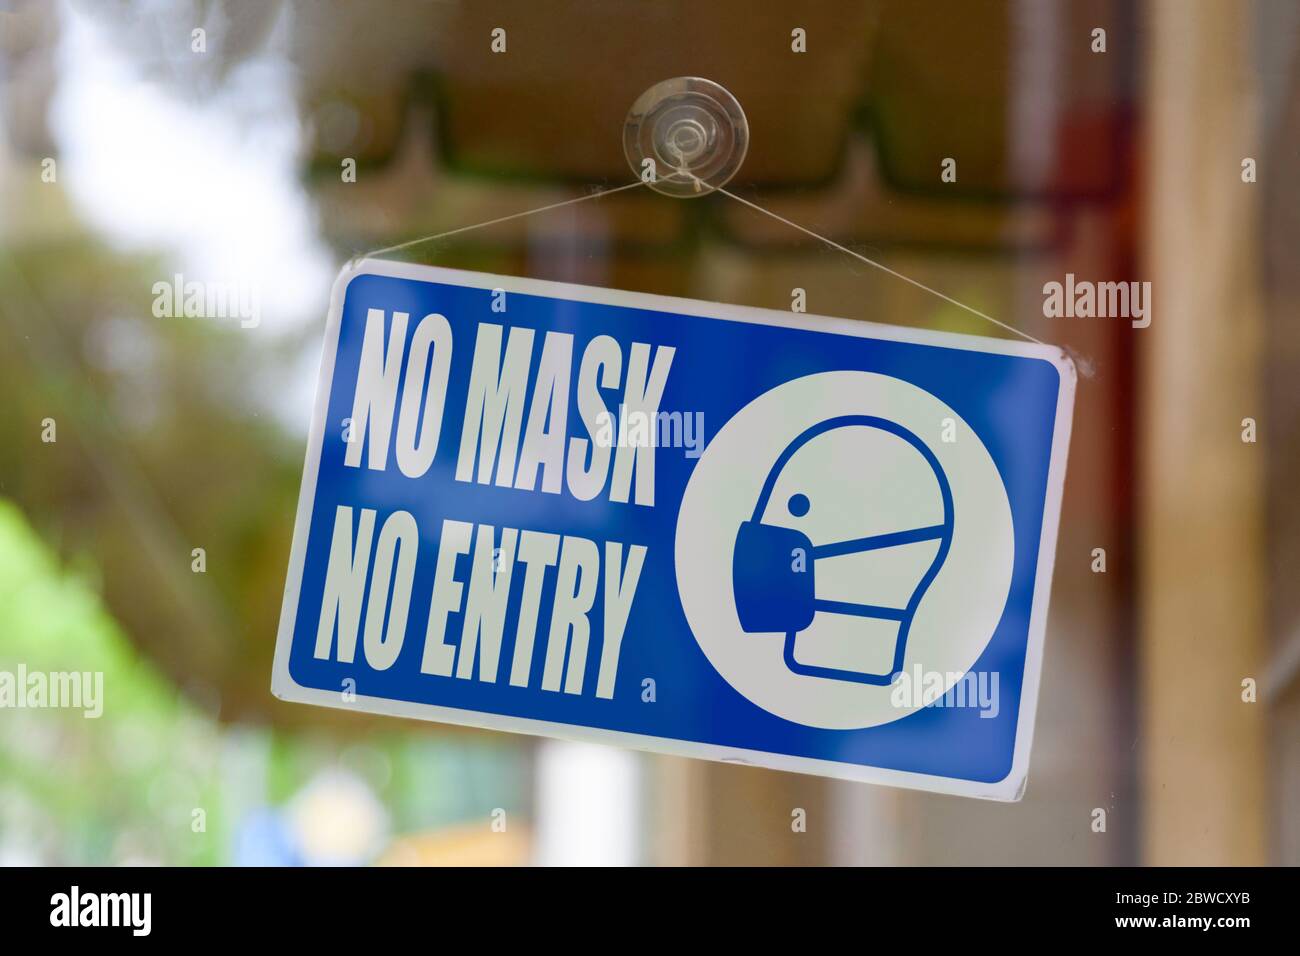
{"x":149,"y":461}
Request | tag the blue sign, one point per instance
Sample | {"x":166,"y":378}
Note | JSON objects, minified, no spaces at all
{"x":804,"y":543}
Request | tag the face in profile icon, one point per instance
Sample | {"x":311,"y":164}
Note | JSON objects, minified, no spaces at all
{"x":853,"y":523}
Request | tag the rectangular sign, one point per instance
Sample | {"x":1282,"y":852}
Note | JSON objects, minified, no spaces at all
{"x":805,"y":543}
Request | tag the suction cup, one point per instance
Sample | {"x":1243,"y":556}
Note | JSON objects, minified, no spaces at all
{"x":694,"y":131}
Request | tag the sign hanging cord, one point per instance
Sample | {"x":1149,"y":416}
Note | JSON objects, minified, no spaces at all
{"x":883,"y":268}
{"x":730,"y":195}
{"x":500,"y":219}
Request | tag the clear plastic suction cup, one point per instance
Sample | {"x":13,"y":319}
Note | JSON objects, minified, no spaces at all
{"x":694,"y":131}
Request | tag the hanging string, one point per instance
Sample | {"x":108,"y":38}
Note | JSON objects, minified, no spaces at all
{"x":882,"y":267}
{"x":730,"y":195}
{"x":501,"y":219}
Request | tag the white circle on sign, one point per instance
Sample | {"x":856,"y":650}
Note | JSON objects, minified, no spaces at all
{"x":850,"y":483}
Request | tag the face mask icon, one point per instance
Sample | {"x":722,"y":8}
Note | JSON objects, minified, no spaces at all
{"x":853,"y":523}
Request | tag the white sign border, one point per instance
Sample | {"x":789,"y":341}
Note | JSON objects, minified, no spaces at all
{"x":1009,"y":788}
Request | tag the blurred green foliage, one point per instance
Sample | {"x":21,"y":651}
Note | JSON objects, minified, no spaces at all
{"x":133,"y":784}
{"x":120,"y":787}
